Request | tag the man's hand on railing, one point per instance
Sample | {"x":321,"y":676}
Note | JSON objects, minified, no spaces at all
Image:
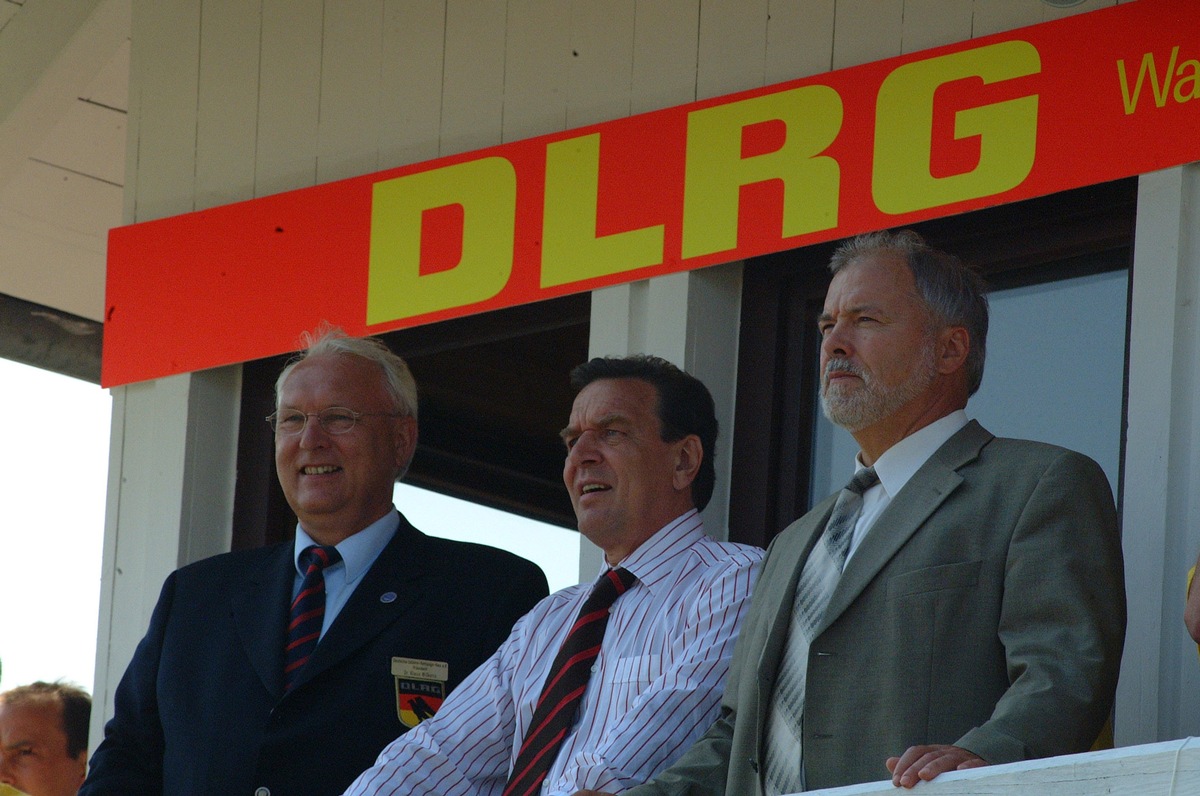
{"x":926,"y":762}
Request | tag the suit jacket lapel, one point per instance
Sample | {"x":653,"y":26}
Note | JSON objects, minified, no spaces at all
{"x":788,"y":555}
{"x":260,"y":612}
{"x":908,"y":511}
{"x":386,"y":592}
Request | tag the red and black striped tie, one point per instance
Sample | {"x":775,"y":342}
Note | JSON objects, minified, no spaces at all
{"x":556,"y":708}
{"x":308,"y":611}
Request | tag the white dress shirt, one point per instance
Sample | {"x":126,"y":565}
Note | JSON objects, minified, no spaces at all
{"x":896,"y":466}
{"x":656,"y":686}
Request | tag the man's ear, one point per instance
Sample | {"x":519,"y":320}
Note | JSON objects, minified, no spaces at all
{"x":954,"y":343}
{"x":81,"y":760}
{"x":405,"y":441}
{"x":688,"y":456}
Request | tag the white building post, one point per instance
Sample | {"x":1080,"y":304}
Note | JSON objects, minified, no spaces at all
{"x":1159,"y":693}
{"x":690,"y":319}
{"x":172,"y":466}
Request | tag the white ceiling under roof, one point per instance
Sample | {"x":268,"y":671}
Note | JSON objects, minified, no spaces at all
{"x":64,"y":98}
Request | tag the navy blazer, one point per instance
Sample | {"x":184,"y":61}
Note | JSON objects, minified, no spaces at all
{"x":201,"y":708}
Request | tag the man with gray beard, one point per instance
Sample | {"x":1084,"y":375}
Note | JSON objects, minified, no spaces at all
{"x":960,"y":603}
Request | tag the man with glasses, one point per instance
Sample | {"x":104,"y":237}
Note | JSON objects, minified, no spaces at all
{"x":286,"y":669}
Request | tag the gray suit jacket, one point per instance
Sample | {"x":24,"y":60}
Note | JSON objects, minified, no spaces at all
{"x":985,"y":609}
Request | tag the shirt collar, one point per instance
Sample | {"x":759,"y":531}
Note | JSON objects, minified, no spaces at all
{"x":901,"y":461}
{"x":358,"y":550}
{"x":651,"y":561}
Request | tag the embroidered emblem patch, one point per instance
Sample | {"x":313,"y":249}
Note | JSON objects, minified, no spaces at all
{"x":420,"y":688}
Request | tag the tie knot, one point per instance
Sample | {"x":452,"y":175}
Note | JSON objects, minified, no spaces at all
{"x":863,"y":480}
{"x":612,"y":584}
{"x":319,"y":557}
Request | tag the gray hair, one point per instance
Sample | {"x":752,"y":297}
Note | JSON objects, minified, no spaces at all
{"x":953,"y":293}
{"x":331,"y":341}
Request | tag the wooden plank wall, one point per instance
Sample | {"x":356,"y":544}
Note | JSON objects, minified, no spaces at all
{"x":232,"y":99}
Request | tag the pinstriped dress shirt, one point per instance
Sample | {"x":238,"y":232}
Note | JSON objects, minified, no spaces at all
{"x":655,"y":689}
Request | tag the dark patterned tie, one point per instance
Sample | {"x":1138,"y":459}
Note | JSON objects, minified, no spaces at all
{"x":308,"y":611}
{"x":818,"y":578}
{"x":556,"y":707}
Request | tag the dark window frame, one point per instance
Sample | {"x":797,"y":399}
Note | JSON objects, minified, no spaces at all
{"x":1089,"y":230}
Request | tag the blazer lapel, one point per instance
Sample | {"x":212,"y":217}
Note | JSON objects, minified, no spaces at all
{"x":908,"y":511}
{"x":788,"y":554}
{"x":260,"y":611}
{"x":386,"y":593}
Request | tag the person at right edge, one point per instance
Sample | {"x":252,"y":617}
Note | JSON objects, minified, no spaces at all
{"x":977,"y":614}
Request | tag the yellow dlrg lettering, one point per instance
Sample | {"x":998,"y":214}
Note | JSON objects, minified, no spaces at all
{"x":902,"y":181}
{"x":716,"y":169}
{"x":571,"y":250}
{"x":486,"y":189}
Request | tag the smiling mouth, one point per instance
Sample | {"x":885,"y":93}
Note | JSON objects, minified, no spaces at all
{"x":590,"y":488}
{"x":323,"y":469}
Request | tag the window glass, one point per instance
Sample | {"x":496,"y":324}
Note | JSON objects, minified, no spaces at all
{"x":554,"y":549}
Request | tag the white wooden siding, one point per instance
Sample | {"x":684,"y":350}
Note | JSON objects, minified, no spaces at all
{"x":233,"y":99}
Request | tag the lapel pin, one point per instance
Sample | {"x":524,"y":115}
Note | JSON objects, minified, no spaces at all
{"x":387,"y":597}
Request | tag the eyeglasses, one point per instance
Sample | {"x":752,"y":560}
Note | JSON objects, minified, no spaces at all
{"x":334,"y":420}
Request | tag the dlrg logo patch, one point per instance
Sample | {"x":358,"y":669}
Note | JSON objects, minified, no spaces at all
{"x":420,"y":688}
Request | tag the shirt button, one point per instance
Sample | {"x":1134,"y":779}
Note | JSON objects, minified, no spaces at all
{"x":262,"y":792}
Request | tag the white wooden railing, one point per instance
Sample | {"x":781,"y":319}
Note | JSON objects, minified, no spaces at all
{"x":1171,"y":768}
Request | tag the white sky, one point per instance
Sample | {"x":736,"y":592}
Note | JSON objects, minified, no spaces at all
{"x":53,"y":480}
{"x":52,"y":485}
{"x":554,"y":549}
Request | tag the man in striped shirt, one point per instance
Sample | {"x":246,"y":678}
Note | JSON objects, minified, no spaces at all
{"x":639,"y":469}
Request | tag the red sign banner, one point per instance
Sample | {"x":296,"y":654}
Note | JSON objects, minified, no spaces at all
{"x":1078,"y":101}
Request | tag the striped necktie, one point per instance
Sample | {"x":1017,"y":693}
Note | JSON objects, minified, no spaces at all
{"x":555,"y":712}
{"x":308,"y":611}
{"x":783,"y":772}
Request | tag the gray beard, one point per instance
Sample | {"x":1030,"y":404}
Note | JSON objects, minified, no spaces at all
{"x":855,"y":409}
